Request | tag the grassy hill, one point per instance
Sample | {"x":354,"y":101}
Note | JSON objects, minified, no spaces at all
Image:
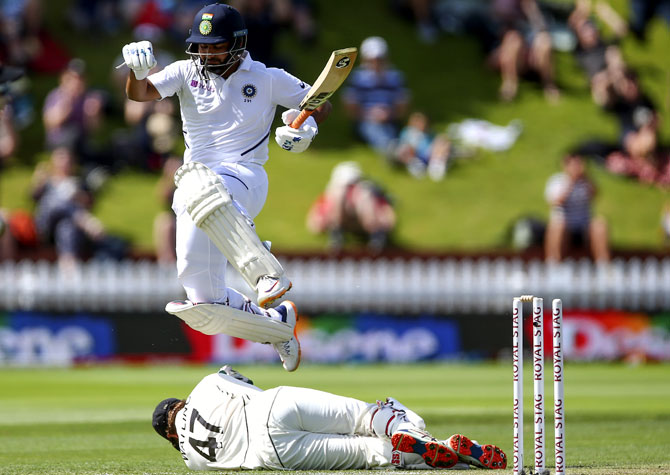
{"x":479,"y":199}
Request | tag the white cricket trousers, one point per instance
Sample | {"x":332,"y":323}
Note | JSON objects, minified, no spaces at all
{"x":306,"y":429}
{"x":201,"y":267}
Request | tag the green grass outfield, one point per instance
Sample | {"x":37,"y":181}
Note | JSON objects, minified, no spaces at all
{"x":95,"y":420}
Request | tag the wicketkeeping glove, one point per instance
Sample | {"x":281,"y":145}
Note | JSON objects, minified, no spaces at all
{"x":295,"y":140}
{"x":140,"y":58}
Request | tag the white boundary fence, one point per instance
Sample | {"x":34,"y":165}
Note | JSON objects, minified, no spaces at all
{"x":397,"y":285}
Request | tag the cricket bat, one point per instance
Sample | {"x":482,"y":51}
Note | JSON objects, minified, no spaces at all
{"x":337,"y":69}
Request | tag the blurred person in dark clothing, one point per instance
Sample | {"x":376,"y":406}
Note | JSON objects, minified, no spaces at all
{"x":265,"y":19}
{"x":422,"y":12}
{"x":9,"y":139}
{"x":352,"y":204}
{"x":99,"y":16}
{"x":516,"y":40}
{"x":643,"y":11}
{"x":20,"y":25}
{"x":601,"y":60}
{"x":72,"y":113}
{"x":63,"y":203}
{"x":633,"y":108}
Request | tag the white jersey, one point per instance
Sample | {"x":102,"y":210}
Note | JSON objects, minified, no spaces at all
{"x":230,"y":425}
{"x":228,"y":120}
{"x":212,"y":426}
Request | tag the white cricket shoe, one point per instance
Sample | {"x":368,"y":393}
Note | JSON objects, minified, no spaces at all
{"x":270,"y":288}
{"x":289,"y":351}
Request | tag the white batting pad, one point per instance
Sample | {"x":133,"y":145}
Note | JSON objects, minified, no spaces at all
{"x":212,"y":209}
{"x":212,"y":318}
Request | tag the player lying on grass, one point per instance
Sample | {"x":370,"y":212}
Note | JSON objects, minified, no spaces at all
{"x":227,"y":103}
{"x":228,"y":423}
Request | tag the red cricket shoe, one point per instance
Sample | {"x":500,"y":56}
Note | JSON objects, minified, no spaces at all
{"x":434,"y":453}
{"x":482,"y":456}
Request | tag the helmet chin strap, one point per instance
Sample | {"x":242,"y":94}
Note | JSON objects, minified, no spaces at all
{"x":204,"y":68}
{"x":220,"y":69}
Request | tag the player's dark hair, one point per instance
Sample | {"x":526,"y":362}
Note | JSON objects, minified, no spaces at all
{"x":163,"y":418}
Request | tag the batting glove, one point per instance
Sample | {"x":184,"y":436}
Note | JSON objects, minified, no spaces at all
{"x":295,"y":140}
{"x":140,"y":58}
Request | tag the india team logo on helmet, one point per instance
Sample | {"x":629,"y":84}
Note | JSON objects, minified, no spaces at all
{"x":205,"y":27}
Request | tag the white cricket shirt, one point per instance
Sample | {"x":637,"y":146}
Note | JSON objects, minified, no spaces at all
{"x":229,"y":120}
{"x":212,"y":427}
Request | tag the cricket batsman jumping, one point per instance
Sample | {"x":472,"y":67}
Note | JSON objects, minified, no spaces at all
{"x":227,"y":102}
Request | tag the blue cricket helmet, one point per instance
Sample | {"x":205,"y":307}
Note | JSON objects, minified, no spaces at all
{"x":214,"y":24}
{"x":160,"y":418}
{"x":217,"y":23}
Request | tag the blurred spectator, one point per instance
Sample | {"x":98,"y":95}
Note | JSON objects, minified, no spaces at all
{"x":99,"y":16}
{"x":642,"y":158}
{"x":304,"y":22}
{"x":17,"y":233}
{"x":72,"y":113}
{"x":352,"y":204}
{"x":151,"y":135}
{"x":423,"y":14}
{"x":9,"y":139}
{"x":264,"y":20}
{"x":638,"y":153}
{"x":25,"y":42}
{"x":601,"y":61}
{"x":165,"y":223}
{"x":421,"y":150}
{"x":20,"y":24}
{"x":62,"y":215}
{"x":632,"y":107}
{"x":182,"y":18}
{"x":570,"y":194}
{"x":517,"y":42}
{"x":665,"y":223}
{"x":376,"y":97}
{"x":642,"y":11}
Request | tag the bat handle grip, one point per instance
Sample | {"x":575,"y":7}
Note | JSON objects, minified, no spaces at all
{"x":302,"y":117}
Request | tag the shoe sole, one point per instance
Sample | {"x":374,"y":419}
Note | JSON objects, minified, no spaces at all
{"x":273,"y":298}
{"x":482,"y":456}
{"x":433,"y":453}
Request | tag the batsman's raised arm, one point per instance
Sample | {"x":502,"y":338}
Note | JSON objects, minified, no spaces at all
{"x":139,"y":57}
